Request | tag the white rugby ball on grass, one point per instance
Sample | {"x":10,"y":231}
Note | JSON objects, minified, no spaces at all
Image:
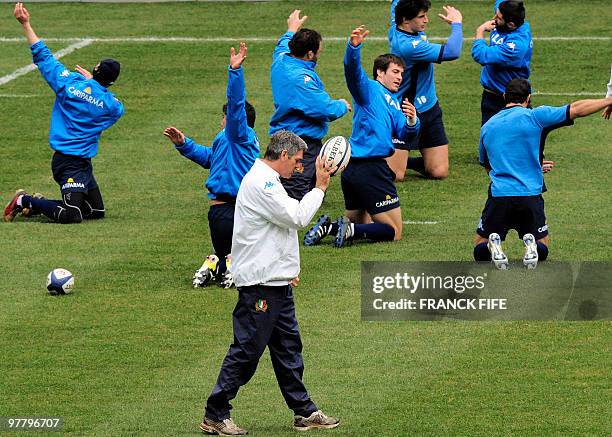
{"x":60,"y":281}
{"x":336,"y":150}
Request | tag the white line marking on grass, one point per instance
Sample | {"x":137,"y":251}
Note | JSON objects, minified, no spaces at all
{"x":25,"y":70}
{"x":411,"y":222}
{"x":581,"y":93}
{"x":273,"y":39}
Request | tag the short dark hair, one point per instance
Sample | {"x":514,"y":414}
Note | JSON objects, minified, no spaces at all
{"x":304,"y":41}
{"x":250,"y":113}
{"x":513,"y":12}
{"x":408,"y":9}
{"x":383,"y":61}
{"x":517,"y":91}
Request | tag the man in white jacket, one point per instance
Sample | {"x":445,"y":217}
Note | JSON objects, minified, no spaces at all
{"x":266,"y":263}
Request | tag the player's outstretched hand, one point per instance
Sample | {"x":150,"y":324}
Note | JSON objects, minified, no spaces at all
{"x":452,"y":15}
{"x":606,"y":112}
{"x":236,"y":59}
{"x":294,"y":22}
{"x":175,"y":135}
{"x":323,"y":173}
{"x":547,"y":166}
{"x":21,"y":13}
{"x":358,"y":35}
{"x":83,"y":72}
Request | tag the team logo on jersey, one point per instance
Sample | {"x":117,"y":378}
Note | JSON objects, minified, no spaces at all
{"x":307,"y":79}
{"x":261,"y":306}
{"x":88,"y":90}
{"x":65,"y":73}
{"x":415,"y":43}
{"x":511,"y":45}
{"x":424,"y":37}
{"x":86,"y":97}
{"x":388,"y":201}
{"x":268,"y":185}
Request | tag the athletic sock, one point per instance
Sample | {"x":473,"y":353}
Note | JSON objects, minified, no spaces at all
{"x":542,"y":251}
{"x":24,"y":201}
{"x":333,"y":229}
{"x":50,"y":208}
{"x":481,"y":252}
{"x":417,"y":164}
{"x":373,"y":231}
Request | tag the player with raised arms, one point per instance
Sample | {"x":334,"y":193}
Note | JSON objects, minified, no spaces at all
{"x":370,"y":197}
{"x":407,"y":39}
{"x":511,"y":150}
{"x":83,"y":109}
{"x":230,"y":157}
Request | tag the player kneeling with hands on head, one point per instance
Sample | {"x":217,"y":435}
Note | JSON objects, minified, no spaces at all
{"x":511,"y":150}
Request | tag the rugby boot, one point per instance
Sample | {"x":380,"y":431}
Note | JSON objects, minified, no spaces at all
{"x":322,"y":228}
{"x":498,"y":257}
{"x":224,"y":427}
{"x":12,"y":209}
{"x":207,"y":272}
{"x":344,"y":236}
{"x":316,"y":420}
{"x":530,"y":259}
{"x":27,"y":212}
{"x":227,"y":279}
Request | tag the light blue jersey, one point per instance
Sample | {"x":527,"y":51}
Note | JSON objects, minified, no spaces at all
{"x":508,"y":56}
{"x":233,"y":150}
{"x":419,"y":55}
{"x":83,"y":108}
{"x":512,"y":146}
{"x":377,"y":114}
{"x":301,"y":104}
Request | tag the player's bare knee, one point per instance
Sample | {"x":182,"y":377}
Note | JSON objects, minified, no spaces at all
{"x":438,"y":172}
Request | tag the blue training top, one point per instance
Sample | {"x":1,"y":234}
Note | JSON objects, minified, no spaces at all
{"x":233,"y":150}
{"x":507,"y":56}
{"x":301,"y":104}
{"x":83,"y":108}
{"x":419,"y":55}
{"x":512,"y":146}
{"x":377,"y":114}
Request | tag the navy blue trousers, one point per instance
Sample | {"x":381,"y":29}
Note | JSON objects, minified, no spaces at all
{"x":264,"y":316}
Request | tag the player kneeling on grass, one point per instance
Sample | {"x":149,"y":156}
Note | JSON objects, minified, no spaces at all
{"x":83,"y":109}
{"x":511,"y":149}
{"x":231,"y":156}
{"x":370,"y":196}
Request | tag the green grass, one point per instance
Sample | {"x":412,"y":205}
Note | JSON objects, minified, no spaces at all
{"x":135,"y":350}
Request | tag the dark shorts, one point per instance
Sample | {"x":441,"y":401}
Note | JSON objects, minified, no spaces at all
{"x":525,"y":214}
{"x":221,"y":224}
{"x":490,"y":104}
{"x":367,"y":184}
{"x":301,"y":183}
{"x":431,"y":134}
{"x":73,"y":173}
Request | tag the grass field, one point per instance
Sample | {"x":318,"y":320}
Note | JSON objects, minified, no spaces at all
{"x":135,"y":350}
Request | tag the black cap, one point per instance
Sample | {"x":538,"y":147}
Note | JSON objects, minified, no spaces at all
{"x":107,"y":72}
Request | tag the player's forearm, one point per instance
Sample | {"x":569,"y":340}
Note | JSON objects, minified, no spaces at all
{"x":29,"y":33}
{"x":582,"y":108}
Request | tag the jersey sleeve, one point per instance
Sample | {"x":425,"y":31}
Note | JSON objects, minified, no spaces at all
{"x":553,"y":117}
{"x":282,"y":46}
{"x":509,"y":54}
{"x":277,"y":207}
{"x":356,"y":79}
{"x":482,"y":152}
{"x":195,"y":152}
{"x":421,"y":51}
{"x":236,"y":126}
{"x":314,"y":102}
{"x":53,"y":71}
{"x":392,"y":14}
